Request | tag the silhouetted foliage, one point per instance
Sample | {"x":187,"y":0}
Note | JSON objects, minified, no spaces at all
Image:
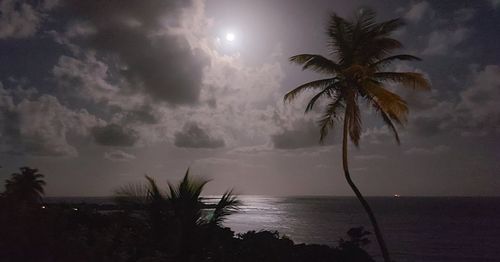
{"x":25,"y":187}
{"x":148,"y":224}
{"x":361,"y":49}
{"x":357,"y":237}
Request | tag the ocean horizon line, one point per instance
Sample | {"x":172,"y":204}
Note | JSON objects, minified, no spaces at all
{"x":309,"y":196}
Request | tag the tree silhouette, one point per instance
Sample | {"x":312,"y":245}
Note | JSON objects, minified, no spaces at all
{"x":179,"y":211}
{"x":361,"y":50}
{"x":25,"y":187}
{"x":183,"y":200}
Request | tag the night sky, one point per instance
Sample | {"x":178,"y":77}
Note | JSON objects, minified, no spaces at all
{"x":96,"y":94}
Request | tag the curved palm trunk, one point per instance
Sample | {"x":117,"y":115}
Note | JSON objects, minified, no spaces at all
{"x":366,"y":206}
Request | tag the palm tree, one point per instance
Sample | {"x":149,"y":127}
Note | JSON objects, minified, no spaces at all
{"x":188,"y":205}
{"x":182,"y":200}
{"x":361,"y":50}
{"x":26,"y":187}
{"x":179,"y":211}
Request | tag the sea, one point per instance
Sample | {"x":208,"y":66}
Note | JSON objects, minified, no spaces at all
{"x":427,"y":229}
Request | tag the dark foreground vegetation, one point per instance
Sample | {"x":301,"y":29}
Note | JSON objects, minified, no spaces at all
{"x":146,"y":224}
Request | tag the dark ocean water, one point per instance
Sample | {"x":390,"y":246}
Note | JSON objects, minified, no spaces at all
{"x":416,"y":228}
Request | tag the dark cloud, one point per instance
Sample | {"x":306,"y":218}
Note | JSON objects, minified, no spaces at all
{"x":39,"y":126}
{"x":495,"y":3}
{"x":417,"y":11}
{"x":134,"y":35}
{"x":426,"y":126}
{"x":89,"y":77}
{"x":442,"y":42}
{"x":143,"y":114}
{"x":194,"y":136}
{"x":18,"y":19}
{"x":114,"y":135}
{"x":118,"y":156}
{"x":476,"y":112}
{"x":435,"y":150}
{"x":22,"y":19}
{"x":303,"y":133}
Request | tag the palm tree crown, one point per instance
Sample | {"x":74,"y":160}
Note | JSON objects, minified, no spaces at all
{"x":362,"y":49}
{"x":182,"y":201}
{"x":26,"y":186}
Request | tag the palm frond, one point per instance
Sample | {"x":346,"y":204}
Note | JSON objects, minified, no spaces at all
{"x":191,"y":188}
{"x":388,"y":27}
{"x":329,"y":91}
{"x":317,"y":84}
{"x":316,"y":63}
{"x":387,"y":120}
{"x":365,"y":21}
{"x":227,"y":205}
{"x":154,"y":193}
{"x":390,"y":103}
{"x":340,"y":37}
{"x":327,"y":121}
{"x":408,"y":79}
{"x":390,"y":59}
{"x":131,"y":195}
{"x":377,"y":48}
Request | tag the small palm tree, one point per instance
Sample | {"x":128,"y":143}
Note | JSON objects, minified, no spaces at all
{"x":183,"y":200}
{"x":26,"y":187}
{"x":361,"y":50}
{"x":178,"y":212}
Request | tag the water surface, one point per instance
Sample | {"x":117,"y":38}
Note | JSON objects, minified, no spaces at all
{"x":430,"y":229}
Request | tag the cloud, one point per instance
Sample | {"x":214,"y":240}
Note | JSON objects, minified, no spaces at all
{"x":303,"y":133}
{"x":224,"y":162}
{"x":234,"y":95}
{"x":370,"y":157}
{"x":89,"y":77}
{"x":114,"y":135}
{"x":252,"y":150}
{"x":18,"y":19}
{"x":434,"y":120}
{"x":22,"y":19}
{"x":465,"y":14}
{"x":143,"y":114}
{"x":427,"y":151}
{"x":495,"y":3}
{"x":474,"y":113}
{"x":194,"y":136}
{"x":118,"y":156}
{"x":377,"y":135}
{"x":441,"y":42}
{"x":40,"y":126}
{"x":138,"y":37}
{"x":478,"y":109}
{"x":417,"y":11}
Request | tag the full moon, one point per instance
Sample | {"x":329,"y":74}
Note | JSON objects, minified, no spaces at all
{"x":230,"y":37}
